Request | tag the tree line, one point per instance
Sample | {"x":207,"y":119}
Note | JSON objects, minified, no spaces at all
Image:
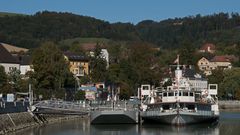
{"x":31,"y":30}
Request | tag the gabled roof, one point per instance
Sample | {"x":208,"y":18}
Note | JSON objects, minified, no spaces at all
{"x":5,"y":56}
{"x":14,"y":49}
{"x":221,"y":59}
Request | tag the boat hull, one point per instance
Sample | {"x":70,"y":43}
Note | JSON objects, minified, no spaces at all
{"x":180,"y":118}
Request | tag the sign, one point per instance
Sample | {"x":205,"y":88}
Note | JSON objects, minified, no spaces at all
{"x":10,"y":97}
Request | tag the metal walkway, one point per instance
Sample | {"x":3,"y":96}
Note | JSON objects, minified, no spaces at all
{"x":61,"y":107}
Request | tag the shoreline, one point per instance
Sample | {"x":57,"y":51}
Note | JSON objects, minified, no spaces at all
{"x":14,"y":122}
{"x":229,"y":105}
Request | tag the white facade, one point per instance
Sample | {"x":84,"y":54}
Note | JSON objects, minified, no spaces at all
{"x":105,"y":55}
{"x":25,"y":68}
{"x":10,"y":66}
{"x":198,"y":83}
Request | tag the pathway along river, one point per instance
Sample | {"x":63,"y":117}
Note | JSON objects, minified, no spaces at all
{"x":229,"y":124}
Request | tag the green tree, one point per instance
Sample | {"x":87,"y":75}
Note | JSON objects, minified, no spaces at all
{"x":187,"y":53}
{"x":50,"y":68}
{"x":3,"y":78}
{"x":230,"y":84}
{"x":98,"y":64}
{"x":80,"y":95}
{"x":14,"y":79}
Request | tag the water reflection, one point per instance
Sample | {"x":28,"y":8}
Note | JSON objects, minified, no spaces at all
{"x":206,"y":129}
{"x":229,"y":124}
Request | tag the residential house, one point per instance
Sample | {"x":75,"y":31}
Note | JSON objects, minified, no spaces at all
{"x":7,"y":60}
{"x":220,"y":62}
{"x":25,"y":63}
{"x":78,"y":64}
{"x":208,"y":48}
{"x":90,"y":47}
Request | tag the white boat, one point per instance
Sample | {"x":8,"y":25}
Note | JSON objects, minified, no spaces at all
{"x":188,"y":100}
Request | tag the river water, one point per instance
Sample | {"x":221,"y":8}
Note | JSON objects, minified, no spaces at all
{"x":229,"y":124}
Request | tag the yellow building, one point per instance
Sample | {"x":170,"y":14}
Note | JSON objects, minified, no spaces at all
{"x":78,"y":64}
{"x":220,"y":62}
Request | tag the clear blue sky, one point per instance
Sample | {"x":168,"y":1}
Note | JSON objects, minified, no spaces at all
{"x":124,"y":10}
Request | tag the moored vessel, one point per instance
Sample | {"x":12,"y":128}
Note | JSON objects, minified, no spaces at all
{"x":187,"y":100}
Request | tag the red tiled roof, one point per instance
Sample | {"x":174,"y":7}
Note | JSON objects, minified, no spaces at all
{"x":205,"y":46}
{"x":221,"y":59}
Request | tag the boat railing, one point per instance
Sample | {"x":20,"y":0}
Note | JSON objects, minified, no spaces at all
{"x":119,"y":105}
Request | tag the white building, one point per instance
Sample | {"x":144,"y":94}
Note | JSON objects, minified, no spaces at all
{"x":7,"y":60}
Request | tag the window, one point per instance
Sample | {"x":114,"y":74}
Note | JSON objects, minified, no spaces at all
{"x":191,"y":94}
{"x":170,"y":94}
{"x":145,"y":87}
{"x":164,"y":94}
{"x":185,"y":93}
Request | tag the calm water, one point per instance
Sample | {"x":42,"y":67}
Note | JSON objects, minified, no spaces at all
{"x":229,"y":124}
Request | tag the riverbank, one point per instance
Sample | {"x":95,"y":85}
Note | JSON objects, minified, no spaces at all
{"x":17,"y":121}
{"x":229,"y":105}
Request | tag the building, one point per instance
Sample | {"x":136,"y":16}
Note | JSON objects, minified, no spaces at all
{"x":25,"y":63}
{"x":7,"y":60}
{"x":208,"y":48}
{"x":78,"y":64}
{"x":217,"y":62}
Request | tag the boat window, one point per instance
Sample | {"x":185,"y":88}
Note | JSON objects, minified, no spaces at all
{"x":191,"y":107}
{"x":164,"y":94}
{"x":185,"y":93}
{"x":166,"y":107}
{"x":176,"y":93}
{"x":191,"y":94}
{"x":145,"y":87}
{"x":170,"y":94}
{"x":180,"y":93}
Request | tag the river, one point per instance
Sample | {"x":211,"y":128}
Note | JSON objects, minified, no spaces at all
{"x":229,"y":124}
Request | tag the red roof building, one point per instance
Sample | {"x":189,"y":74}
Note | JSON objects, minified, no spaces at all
{"x":208,"y":47}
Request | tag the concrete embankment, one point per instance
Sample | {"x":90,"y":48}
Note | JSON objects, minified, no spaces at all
{"x":229,"y":105}
{"x":15,"y":121}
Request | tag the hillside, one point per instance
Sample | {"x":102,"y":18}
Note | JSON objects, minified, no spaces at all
{"x":30,"y":31}
{"x":4,"y":14}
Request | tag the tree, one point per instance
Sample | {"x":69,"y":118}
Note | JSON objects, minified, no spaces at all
{"x":230,"y":84}
{"x":3,"y":78}
{"x":14,"y":79}
{"x":187,"y":53}
{"x":98,"y":66}
{"x":50,"y":68}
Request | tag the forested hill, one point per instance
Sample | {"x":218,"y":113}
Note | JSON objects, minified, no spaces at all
{"x":30,"y":30}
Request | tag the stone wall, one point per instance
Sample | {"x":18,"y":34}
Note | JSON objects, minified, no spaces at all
{"x":16,"y":121}
{"x":229,"y":104}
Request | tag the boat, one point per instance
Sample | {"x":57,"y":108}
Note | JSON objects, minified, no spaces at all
{"x":187,"y":100}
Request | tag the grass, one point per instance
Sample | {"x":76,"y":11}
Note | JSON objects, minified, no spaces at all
{"x":3,"y":14}
{"x":69,"y":42}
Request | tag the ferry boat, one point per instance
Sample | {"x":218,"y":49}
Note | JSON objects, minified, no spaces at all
{"x":187,"y":100}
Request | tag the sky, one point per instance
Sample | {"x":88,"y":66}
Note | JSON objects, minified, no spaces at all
{"x":132,"y":11}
